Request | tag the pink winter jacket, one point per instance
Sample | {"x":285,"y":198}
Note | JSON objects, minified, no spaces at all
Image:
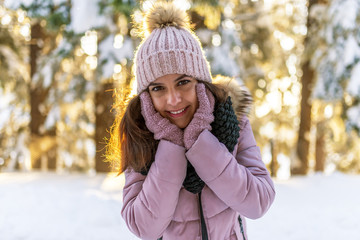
{"x":237,"y":185}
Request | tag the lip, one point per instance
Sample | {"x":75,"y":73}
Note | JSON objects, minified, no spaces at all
{"x":177,"y":115}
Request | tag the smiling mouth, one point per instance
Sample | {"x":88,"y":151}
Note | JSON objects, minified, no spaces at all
{"x":178,"y":113}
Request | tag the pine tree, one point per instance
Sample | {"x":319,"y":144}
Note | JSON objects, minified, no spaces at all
{"x":13,"y":95}
{"x":73,"y":78}
{"x":272,"y":33}
{"x":116,"y":51}
{"x":337,"y":64}
{"x":48,"y":19}
{"x":301,"y":163}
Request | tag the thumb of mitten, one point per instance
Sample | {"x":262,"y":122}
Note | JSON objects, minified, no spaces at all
{"x":205,"y":98}
{"x":149,"y":113}
{"x":203,"y":116}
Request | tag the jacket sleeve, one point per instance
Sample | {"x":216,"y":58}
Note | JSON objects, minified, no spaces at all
{"x":149,"y":202}
{"x":241,"y":181}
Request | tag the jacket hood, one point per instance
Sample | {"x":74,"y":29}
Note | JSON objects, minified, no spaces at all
{"x":240,"y":96}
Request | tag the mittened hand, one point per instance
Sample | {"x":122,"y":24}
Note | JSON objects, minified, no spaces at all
{"x":160,"y":126}
{"x":203,"y":116}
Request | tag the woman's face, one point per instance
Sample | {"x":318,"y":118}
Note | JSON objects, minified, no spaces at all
{"x":174,"y":97}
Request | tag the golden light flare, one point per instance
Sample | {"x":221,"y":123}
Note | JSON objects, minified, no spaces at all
{"x":133,"y":86}
{"x":262,"y":83}
{"x":182,"y":4}
{"x":237,"y":50}
{"x":216,"y":40}
{"x":296,"y":89}
{"x":66,"y":65}
{"x":229,"y":24}
{"x":271,"y":75}
{"x":118,"y":41}
{"x":211,"y":14}
{"x":147,"y":5}
{"x":268,"y":130}
{"x":259,"y":93}
{"x":262,"y":110}
{"x":79,"y":52}
{"x":137,"y":17}
{"x":287,"y":43}
{"x":284,"y":84}
{"x":25,"y":30}
{"x":328,"y":111}
{"x":6,"y":19}
{"x":228,"y":10}
{"x":21,"y":15}
{"x":289,"y":9}
{"x":290,"y":99}
{"x":117,"y":68}
{"x":89,"y":43}
{"x":254,"y":49}
{"x":348,"y":99}
{"x":92,"y":61}
{"x":268,"y":3}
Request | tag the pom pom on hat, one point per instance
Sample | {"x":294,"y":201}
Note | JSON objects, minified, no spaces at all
{"x":168,"y":47}
{"x":165,"y":14}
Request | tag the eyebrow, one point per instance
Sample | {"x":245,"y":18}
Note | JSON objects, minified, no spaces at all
{"x":182,"y":76}
{"x":154,"y":84}
{"x":177,"y":79}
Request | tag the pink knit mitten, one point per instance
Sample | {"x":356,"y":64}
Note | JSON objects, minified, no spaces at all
{"x":160,"y":126}
{"x":203,"y":116}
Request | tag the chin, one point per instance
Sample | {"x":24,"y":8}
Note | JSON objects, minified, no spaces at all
{"x":182,"y":125}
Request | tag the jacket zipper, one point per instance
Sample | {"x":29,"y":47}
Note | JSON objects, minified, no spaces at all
{"x":241,"y":227}
{"x":204,"y":235}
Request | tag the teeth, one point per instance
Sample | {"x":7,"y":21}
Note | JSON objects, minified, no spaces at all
{"x":177,"y":112}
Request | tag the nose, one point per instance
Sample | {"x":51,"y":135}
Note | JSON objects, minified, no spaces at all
{"x":173,"y":98}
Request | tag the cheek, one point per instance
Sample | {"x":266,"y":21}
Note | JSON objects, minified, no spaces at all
{"x":194,"y":99}
{"x":158,"y":104}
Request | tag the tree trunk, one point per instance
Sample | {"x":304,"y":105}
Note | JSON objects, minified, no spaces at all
{"x":274,"y":165}
{"x":303,"y":143}
{"x":300,"y":166}
{"x":320,"y":154}
{"x":103,"y":122}
{"x":38,"y":114}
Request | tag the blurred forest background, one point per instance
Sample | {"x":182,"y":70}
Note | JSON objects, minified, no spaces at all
{"x":61,"y":60}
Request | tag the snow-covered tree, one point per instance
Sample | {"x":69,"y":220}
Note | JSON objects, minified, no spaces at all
{"x":76,"y":61}
{"x":272,"y":34}
{"x":46,"y":21}
{"x":14,"y":116}
{"x":337,"y":58}
{"x":336,"y":61}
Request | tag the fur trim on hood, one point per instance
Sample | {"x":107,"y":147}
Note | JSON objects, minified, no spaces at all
{"x":240,"y":97}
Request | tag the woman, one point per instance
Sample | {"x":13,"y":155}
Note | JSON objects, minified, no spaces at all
{"x":192,"y":167}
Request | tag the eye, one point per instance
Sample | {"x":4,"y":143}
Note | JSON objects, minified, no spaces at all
{"x":156,"y":88}
{"x":183,"y":82}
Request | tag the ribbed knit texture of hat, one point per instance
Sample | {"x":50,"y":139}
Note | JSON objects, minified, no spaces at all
{"x":170,"y":50}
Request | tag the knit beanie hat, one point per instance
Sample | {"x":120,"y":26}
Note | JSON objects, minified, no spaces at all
{"x":168,"y":47}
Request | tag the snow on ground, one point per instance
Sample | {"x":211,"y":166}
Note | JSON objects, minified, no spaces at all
{"x":315,"y":207}
{"x":50,"y":206}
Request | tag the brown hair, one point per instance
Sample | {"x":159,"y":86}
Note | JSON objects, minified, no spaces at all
{"x":131,"y":144}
